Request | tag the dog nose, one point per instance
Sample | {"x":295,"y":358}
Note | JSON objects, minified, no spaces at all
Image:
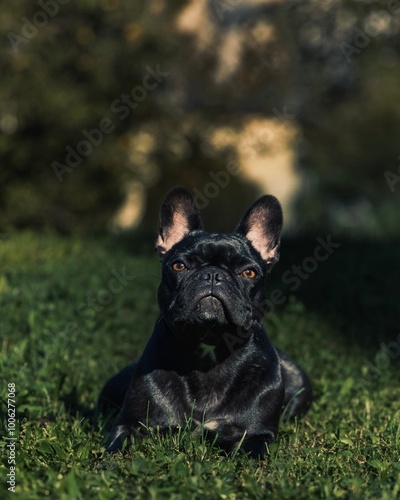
{"x":212,"y":277}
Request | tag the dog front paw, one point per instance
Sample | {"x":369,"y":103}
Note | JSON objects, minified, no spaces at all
{"x":119,"y":435}
{"x":255,"y":446}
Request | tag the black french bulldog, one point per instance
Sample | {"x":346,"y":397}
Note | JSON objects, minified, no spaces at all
{"x":209,"y":357}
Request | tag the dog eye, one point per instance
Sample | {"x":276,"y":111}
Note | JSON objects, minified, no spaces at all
{"x":178,"y":266}
{"x":249,"y":273}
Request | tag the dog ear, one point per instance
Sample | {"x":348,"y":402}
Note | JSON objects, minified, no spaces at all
{"x":179,"y":216}
{"x":262,"y":225}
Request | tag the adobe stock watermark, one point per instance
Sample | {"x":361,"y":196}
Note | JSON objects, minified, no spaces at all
{"x":391,"y":178}
{"x":105,"y":296}
{"x":88,"y":310}
{"x":221,"y":7}
{"x":11,"y":437}
{"x":293,"y":277}
{"x":40,"y":19}
{"x":387,"y":354}
{"x":376,"y":24}
{"x":221,"y":179}
{"x":121,"y":107}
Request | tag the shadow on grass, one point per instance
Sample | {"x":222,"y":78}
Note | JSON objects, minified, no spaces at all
{"x":356,"y":288}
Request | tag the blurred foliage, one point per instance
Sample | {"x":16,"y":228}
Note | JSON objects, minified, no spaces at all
{"x":62,"y":82}
{"x":65,"y":78}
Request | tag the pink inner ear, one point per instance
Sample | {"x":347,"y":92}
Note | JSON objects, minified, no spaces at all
{"x":172,"y":234}
{"x":261,"y":242}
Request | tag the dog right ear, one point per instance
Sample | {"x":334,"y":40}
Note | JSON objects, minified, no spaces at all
{"x":179,"y":216}
{"x":262,"y":226}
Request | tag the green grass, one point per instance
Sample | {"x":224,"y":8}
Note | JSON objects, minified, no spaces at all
{"x":338,"y":324}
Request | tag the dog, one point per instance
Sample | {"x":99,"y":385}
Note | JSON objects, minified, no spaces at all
{"x":209,"y":358}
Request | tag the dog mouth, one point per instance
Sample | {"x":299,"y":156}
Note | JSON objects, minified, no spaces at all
{"x":210,"y":307}
{"x":209,"y":318}
{"x":208,"y":314}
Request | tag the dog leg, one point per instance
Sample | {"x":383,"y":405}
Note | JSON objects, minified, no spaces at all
{"x":113,"y":393}
{"x":298,"y":390}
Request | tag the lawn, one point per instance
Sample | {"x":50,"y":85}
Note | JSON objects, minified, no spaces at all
{"x":65,"y":329}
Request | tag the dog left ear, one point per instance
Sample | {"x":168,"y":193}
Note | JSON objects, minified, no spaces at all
{"x":262,"y":225}
{"x":179,"y":216}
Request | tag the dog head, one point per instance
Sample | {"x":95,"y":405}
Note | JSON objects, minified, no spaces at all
{"x":215,"y":283}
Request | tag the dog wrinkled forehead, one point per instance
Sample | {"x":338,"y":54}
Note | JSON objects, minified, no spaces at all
{"x":214,"y":249}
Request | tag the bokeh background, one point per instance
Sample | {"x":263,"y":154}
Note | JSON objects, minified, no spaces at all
{"x":298,"y":99}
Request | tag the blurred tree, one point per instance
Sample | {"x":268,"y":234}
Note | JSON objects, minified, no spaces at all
{"x":102,"y":100}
